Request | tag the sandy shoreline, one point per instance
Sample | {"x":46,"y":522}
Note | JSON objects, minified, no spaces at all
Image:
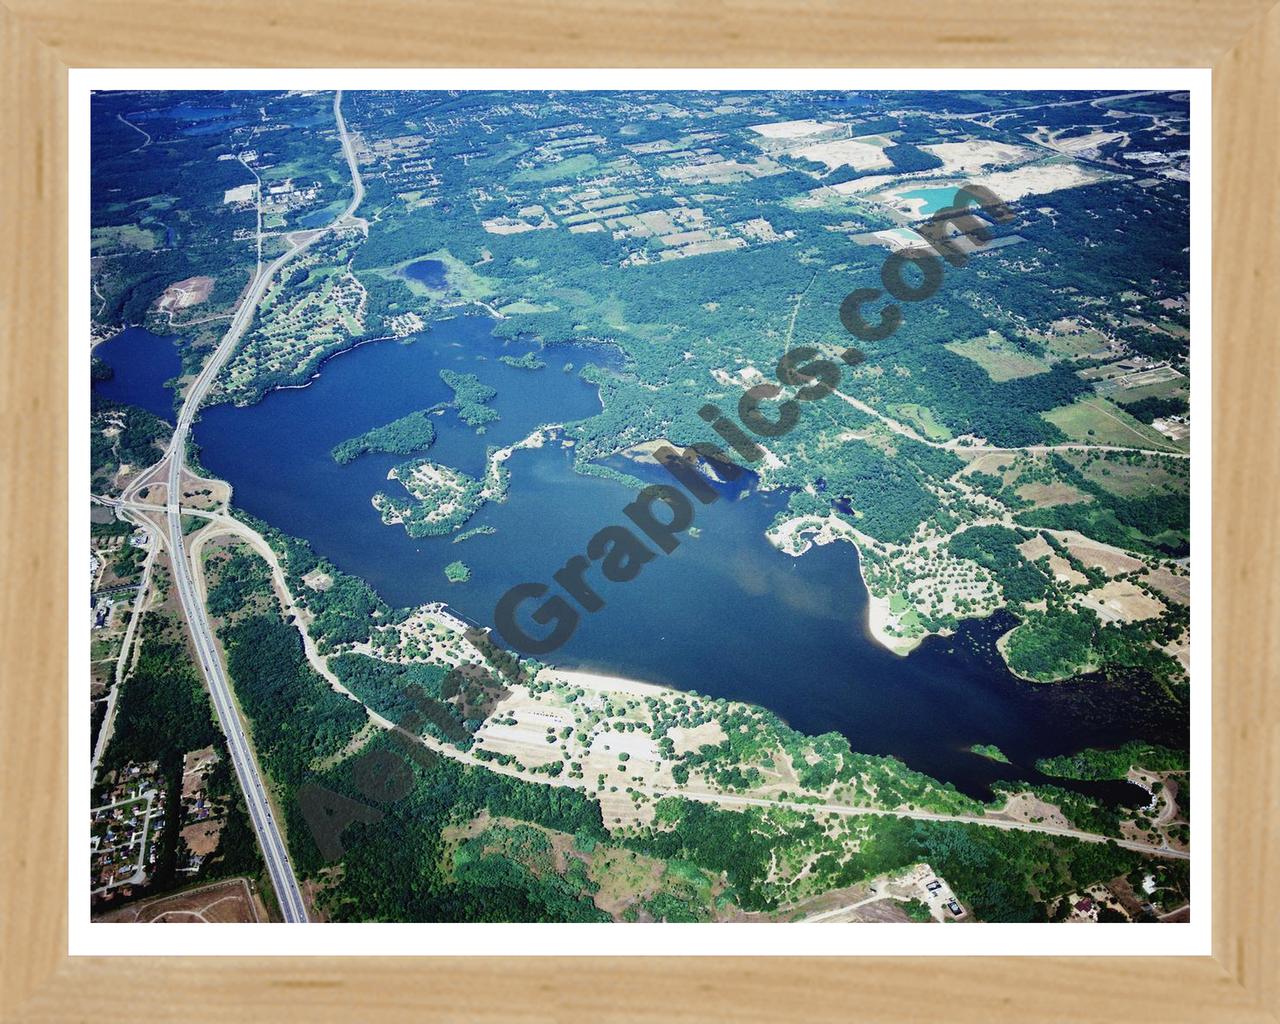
{"x":602,"y":683}
{"x":787,"y":538}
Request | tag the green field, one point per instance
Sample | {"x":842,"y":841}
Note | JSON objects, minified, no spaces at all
{"x":1097,"y":421}
{"x":922,"y":418}
{"x":1128,"y":481}
{"x":1000,"y":358}
{"x":1074,"y":346}
{"x":1162,"y":389}
{"x":570,"y":167}
{"x":521,"y":306}
{"x":124,"y":236}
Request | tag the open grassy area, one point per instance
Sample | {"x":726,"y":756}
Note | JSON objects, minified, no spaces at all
{"x":1097,"y":421}
{"x":123,"y":236}
{"x":571,"y":167}
{"x":923,"y":419}
{"x":1001,"y":358}
{"x":1133,"y":480}
{"x":1074,"y":346}
{"x":521,"y":306}
{"x":1160,"y":389}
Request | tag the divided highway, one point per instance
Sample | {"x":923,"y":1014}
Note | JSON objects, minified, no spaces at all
{"x":274,"y":851}
{"x":267,"y":830}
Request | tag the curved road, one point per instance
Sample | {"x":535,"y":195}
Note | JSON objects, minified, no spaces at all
{"x":265,"y":826}
{"x":247,"y":771}
{"x":222,"y":523}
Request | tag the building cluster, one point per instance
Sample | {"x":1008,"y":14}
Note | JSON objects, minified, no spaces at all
{"x":124,"y":830}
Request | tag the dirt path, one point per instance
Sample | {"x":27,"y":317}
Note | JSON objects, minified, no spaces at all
{"x":1127,"y":426}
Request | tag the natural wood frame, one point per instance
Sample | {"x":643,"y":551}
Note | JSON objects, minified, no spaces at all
{"x":41,"y":39}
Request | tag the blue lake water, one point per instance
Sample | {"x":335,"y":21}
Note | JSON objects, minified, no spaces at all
{"x":142,"y":362}
{"x":428,"y":272}
{"x":726,"y":614}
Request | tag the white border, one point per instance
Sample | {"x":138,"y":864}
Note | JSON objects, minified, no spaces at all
{"x":87,"y":938}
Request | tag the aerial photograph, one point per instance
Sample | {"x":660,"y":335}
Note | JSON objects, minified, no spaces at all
{"x":638,"y":506}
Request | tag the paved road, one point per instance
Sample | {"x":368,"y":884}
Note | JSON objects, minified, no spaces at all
{"x":224,"y":522}
{"x":274,"y":851}
{"x":267,"y":829}
{"x":108,"y":726}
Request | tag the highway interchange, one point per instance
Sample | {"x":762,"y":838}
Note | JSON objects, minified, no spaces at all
{"x":248,"y":772}
{"x":265,"y":825}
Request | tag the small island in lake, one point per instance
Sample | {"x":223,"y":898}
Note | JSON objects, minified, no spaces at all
{"x":528,"y":361}
{"x":408,"y":434}
{"x":470,"y":398}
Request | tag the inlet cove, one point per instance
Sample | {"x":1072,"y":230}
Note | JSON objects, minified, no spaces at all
{"x":641,"y":506}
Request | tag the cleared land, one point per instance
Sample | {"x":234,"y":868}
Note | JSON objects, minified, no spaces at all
{"x":229,"y":902}
{"x":1001,"y":358}
{"x":864,"y":154}
{"x":977,"y":154}
{"x":1097,"y":421}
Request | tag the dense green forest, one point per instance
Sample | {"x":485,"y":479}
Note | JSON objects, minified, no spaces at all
{"x":296,"y":718}
{"x":163,"y":710}
{"x":1148,"y":409}
{"x":1114,"y":764}
{"x":528,"y":361}
{"x":470,"y":398}
{"x":403,"y":692}
{"x":404,"y":436}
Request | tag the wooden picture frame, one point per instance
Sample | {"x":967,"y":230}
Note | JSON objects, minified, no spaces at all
{"x":42,"y":39}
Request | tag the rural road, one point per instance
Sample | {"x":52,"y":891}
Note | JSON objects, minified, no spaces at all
{"x":990,"y":822}
{"x":122,"y":664}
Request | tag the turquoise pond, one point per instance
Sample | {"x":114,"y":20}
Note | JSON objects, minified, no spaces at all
{"x":935,"y":199}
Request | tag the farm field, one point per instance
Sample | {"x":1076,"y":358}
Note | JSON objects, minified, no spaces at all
{"x":1097,"y":421}
{"x":1002,"y":359}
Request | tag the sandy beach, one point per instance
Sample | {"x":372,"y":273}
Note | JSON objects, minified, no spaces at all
{"x":602,"y":683}
{"x":796,"y":536}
